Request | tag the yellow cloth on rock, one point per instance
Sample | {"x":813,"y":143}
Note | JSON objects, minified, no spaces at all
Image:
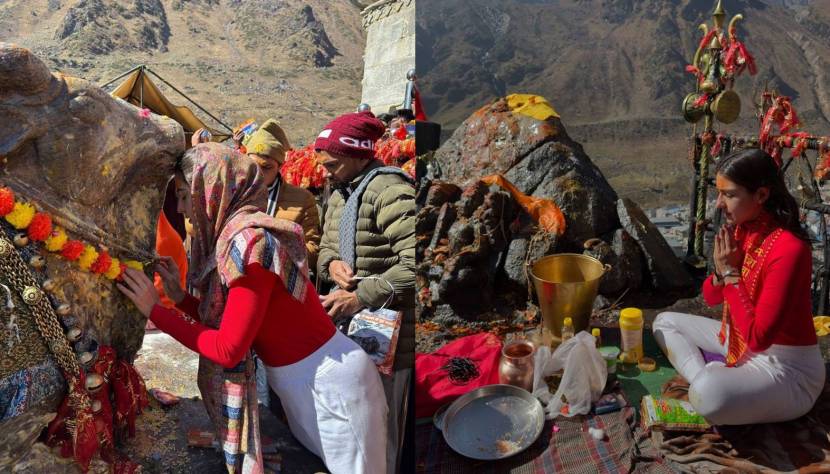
{"x":822,"y":325}
{"x":531,"y":105}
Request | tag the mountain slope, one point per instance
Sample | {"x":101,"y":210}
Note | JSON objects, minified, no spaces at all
{"x":296,"y":60}
{"x":614,"y":70}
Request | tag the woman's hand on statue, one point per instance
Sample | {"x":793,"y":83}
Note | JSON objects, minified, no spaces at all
{"x":139,"y":288}
{"x":342,"y":274}
{"x":170,"y":278}
{"x":341,"y":303}
{"x":727,"y":254}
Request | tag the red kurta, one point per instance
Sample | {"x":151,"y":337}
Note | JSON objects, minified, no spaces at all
{"x":782,"y":310}
{"x":259,"y":313}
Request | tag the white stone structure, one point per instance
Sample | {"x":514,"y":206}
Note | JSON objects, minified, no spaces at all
{"x":389,"y":53}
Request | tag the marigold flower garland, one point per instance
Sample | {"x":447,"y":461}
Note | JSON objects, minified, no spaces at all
{"x":393,"y":151}
{"x":302,"y":167}
{"x":39,"y":228}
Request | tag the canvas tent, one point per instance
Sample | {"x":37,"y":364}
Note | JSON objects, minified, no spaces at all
{"x":139,"y":89}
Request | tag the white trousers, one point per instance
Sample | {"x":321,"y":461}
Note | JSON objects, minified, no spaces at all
{"x":779,"y":384}
{"x":335,"y":406}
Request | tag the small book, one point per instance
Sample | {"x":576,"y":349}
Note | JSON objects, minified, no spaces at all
{"x":377,"y":333}
{"x":668,"y":414}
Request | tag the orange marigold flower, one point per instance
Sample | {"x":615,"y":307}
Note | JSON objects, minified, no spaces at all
{"x":40,"y":227}
{"x":6,"y":201}
{"x":102,"y":263}
{"x":72,"y":250}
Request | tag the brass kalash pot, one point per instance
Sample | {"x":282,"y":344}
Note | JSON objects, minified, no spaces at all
{"x":566,"y":285}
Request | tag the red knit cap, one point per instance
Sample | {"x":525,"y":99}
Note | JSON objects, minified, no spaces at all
{"x":353,"y":135}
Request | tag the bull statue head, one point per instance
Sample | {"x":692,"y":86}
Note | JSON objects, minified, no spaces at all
{"x":99,"y":167}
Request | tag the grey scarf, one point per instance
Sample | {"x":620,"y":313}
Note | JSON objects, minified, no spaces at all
{"x":348,"y":221}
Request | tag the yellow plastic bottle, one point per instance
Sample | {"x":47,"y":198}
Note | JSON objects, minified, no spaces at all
{"x":567,"y":329}
{"x":631,"y":332}
{"x":596,"y":333}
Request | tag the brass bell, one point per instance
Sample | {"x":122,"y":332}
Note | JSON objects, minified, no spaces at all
{"x":21,"y":240}
{"x":693,"y":113}
{"x":49,"y":284}
{"x":85,"y":358}
{"x":73,"y":334}
{"x":37,"y":262}
{"x":726,"y":106}
{"x":63,"y":309}
{"x":94,"y":382}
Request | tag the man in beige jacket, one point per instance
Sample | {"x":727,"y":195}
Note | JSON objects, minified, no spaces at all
{"x":267,"y":147}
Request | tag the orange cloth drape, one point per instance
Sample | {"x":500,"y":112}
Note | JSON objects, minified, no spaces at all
{"x":543,"y":211}
{"x":169,"y":244}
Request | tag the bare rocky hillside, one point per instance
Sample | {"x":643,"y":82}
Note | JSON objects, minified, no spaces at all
{"x":300,"y":61}
{"x":614,"y":69}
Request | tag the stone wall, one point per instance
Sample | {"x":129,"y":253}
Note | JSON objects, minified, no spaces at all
{"x":389,"y":54}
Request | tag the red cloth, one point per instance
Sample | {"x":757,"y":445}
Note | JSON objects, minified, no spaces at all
{"x":433,"y":388}
{"x":97,"y":432}
{"x":420,"y":113}
{"x":79,"y":438}
{"x":782,"y":310}
{"x":259,"y":313}
{"x":353,"y":135}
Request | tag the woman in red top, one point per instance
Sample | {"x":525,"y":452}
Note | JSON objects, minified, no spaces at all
{"x":251,"y":273}
{"x":763,"y":268}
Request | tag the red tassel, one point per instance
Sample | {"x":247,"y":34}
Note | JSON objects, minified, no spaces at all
{"x":707,"y":38}
{"x":800,"y":139}
{"x":783,"y":115}
{"x":701,"y":100}
{"x":716,"y":148}
{"x":823,"y":168}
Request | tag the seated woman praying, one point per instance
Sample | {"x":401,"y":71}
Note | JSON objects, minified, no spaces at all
{"x":763,"y":267}
{"x":251,"y":272}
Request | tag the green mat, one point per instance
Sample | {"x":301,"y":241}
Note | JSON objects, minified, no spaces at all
{"x":635,"y":383}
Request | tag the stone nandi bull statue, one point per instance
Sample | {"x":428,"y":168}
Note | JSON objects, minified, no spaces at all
{"x":98,"y":167}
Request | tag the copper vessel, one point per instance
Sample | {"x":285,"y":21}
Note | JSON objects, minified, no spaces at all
{"x":516,"y":366}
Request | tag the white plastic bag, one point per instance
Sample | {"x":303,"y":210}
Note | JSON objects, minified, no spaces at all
{"x":583,"y":378}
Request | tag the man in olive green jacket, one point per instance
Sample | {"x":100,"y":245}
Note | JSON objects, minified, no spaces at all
{"x":383,"y":243}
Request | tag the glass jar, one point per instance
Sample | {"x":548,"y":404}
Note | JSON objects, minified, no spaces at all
{"x":516,"y":365}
